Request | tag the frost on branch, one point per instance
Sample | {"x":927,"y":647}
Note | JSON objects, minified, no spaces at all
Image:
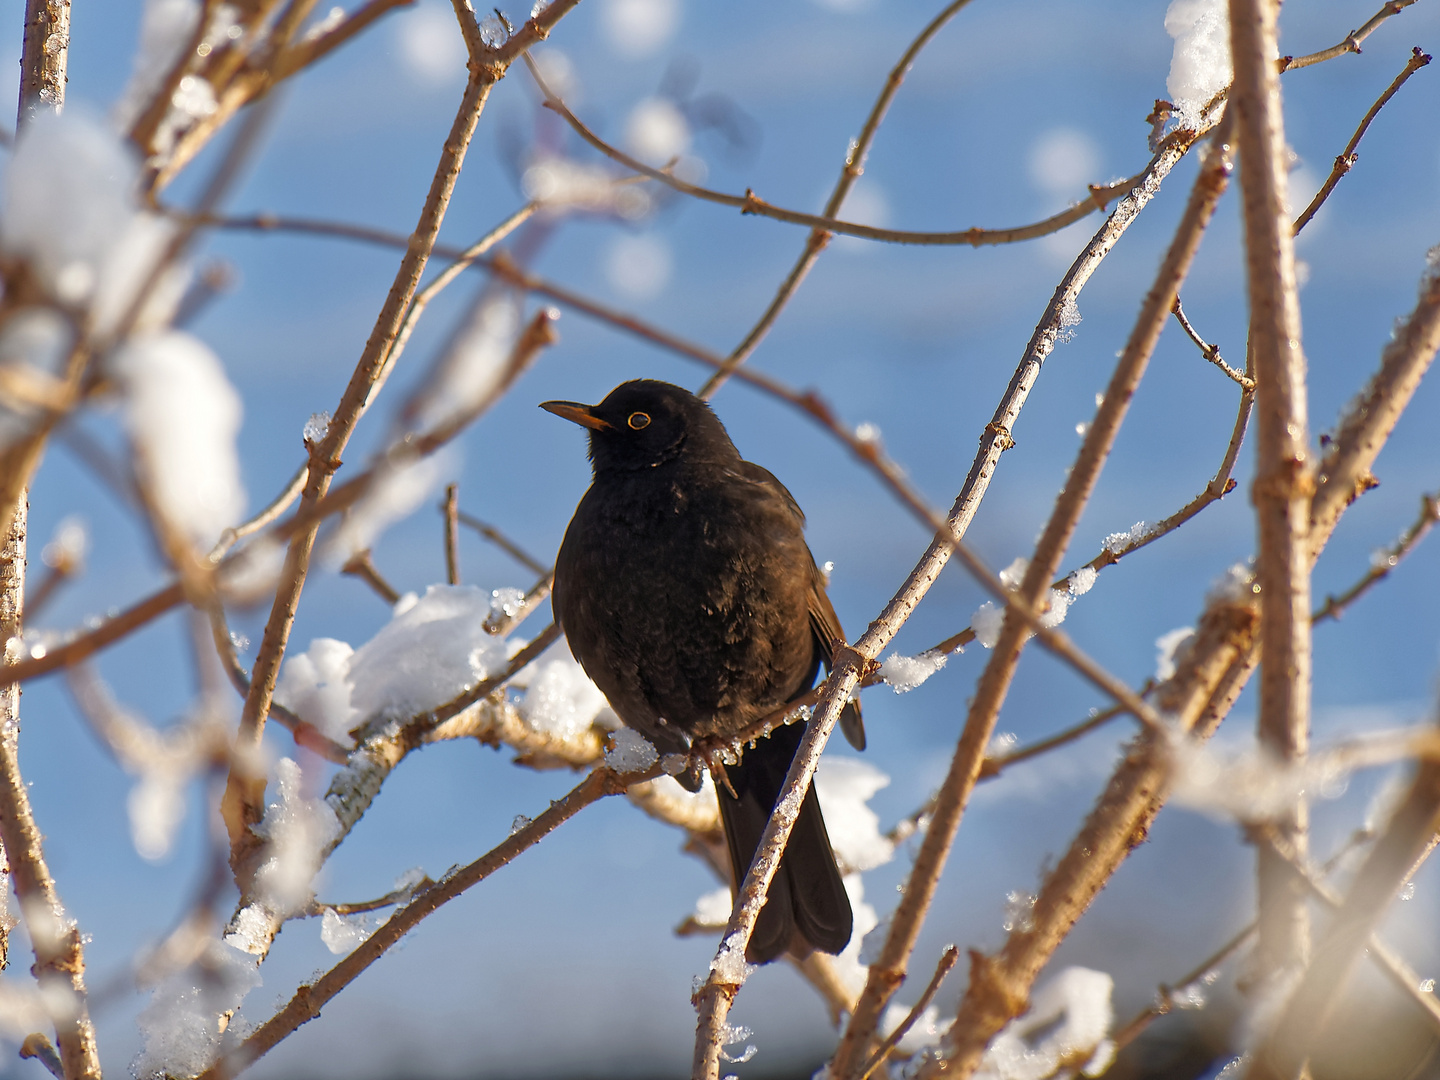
{"x":192,"y":1014}
{"x":1200,"y":66}
{"x":298,"y":829}
{"x":632,"y":752}
{"x":1167,"y":647}
{"x":1067,"y":1027}
{"x":183,"y":415}
{"x":905,"y":673}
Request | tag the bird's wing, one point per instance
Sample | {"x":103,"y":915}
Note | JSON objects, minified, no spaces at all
{"x":824,"y":623}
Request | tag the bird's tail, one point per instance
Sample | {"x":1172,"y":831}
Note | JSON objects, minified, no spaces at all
{"x":807,"y":907}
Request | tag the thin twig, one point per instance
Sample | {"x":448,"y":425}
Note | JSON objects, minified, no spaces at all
{"x":1165,"y":996}
{"x":311,"y":997}
{"x":362,"y":566}
{"x":243,"y":803}
{"x":947,"y":961}
{"x":887,"y":973}
{"x":55,"y":938}
{"x":504,"y":543}
{"x":1211,"y":352}
{"x":451,"y":509}
{"x":1098,"y":198}
{"x":1346,"y":159}
{"x":1384,"y":561}
{"x":1351,"y":42}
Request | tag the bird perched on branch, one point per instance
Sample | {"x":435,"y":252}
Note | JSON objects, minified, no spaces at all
{"x":689,"y":596}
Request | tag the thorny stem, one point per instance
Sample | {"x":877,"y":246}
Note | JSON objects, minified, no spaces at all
{"x":1346,"y":159}
{"x":888,"y":972}
{"x":1284,"y":481}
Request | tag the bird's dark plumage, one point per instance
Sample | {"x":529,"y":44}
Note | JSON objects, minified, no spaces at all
{"x":688,"y":594}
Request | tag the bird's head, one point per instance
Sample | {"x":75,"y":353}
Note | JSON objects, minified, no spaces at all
{"x":644,"y":423}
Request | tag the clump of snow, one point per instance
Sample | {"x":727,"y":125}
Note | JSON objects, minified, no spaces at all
{"x":1013,"y":574}
{"x":1237,"y":585}
{"x":1116,"y":543}
{"x":559,"y":183}
{"x":1067,"y":1025}
{"x":192,"y":1014}
{"x":69,"y":211}
{"x":560,"y":700}
{"x":315,"y":686}
{"x":183,"y":415}
{"x":987,"y":622}
{"x":713,"y":909}
{"x":1001,"y":743}
{"x":34,"y":345}
{"x":156,"y":806}
{"x":1069,"y":319}
{"x":1081,"y":581}
{"x":1167,"y":646}
{"x":905,"y":673}
{"x":867,"y":433}
{"x":631,"y":752}
{"x":1249,"y":782}
{"x":844,"y":786}
{"x":298,"y":828}
{"x":433,"y":649}
{"x":165,"y":29}
{"x":1200,"y":66}
{"x":506,"y":603}
{"x":732,"y":1034}
{"x":342,"y":933}
{"x":402,"y":481}
{"x":316,"y":428}
{"x":850,"y":966}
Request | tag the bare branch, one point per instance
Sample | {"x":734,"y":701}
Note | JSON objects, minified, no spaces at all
{"x":887,"y":973}
{"x":1284,"y":481}
{"x":1351,"y":42}
{"x":451,"y":509}
{"x":1384,"y":561}
{"x":1211,"y":352}
{"x":362,"y":566}
{"x":311,"y":997}
{"x":947,"y":961}
{"x":1347,"y":157}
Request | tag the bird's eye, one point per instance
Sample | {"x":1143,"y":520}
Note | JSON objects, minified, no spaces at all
{"x":638,"y":421}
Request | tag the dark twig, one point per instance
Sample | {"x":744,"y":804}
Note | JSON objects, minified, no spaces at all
{"x":504,"y":543}
{"x":362,"y":566}
{"x":1346,"y":159}
{"x":451,"y":509}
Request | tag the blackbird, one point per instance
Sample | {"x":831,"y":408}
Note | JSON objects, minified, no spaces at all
{"x":688,"y":595}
